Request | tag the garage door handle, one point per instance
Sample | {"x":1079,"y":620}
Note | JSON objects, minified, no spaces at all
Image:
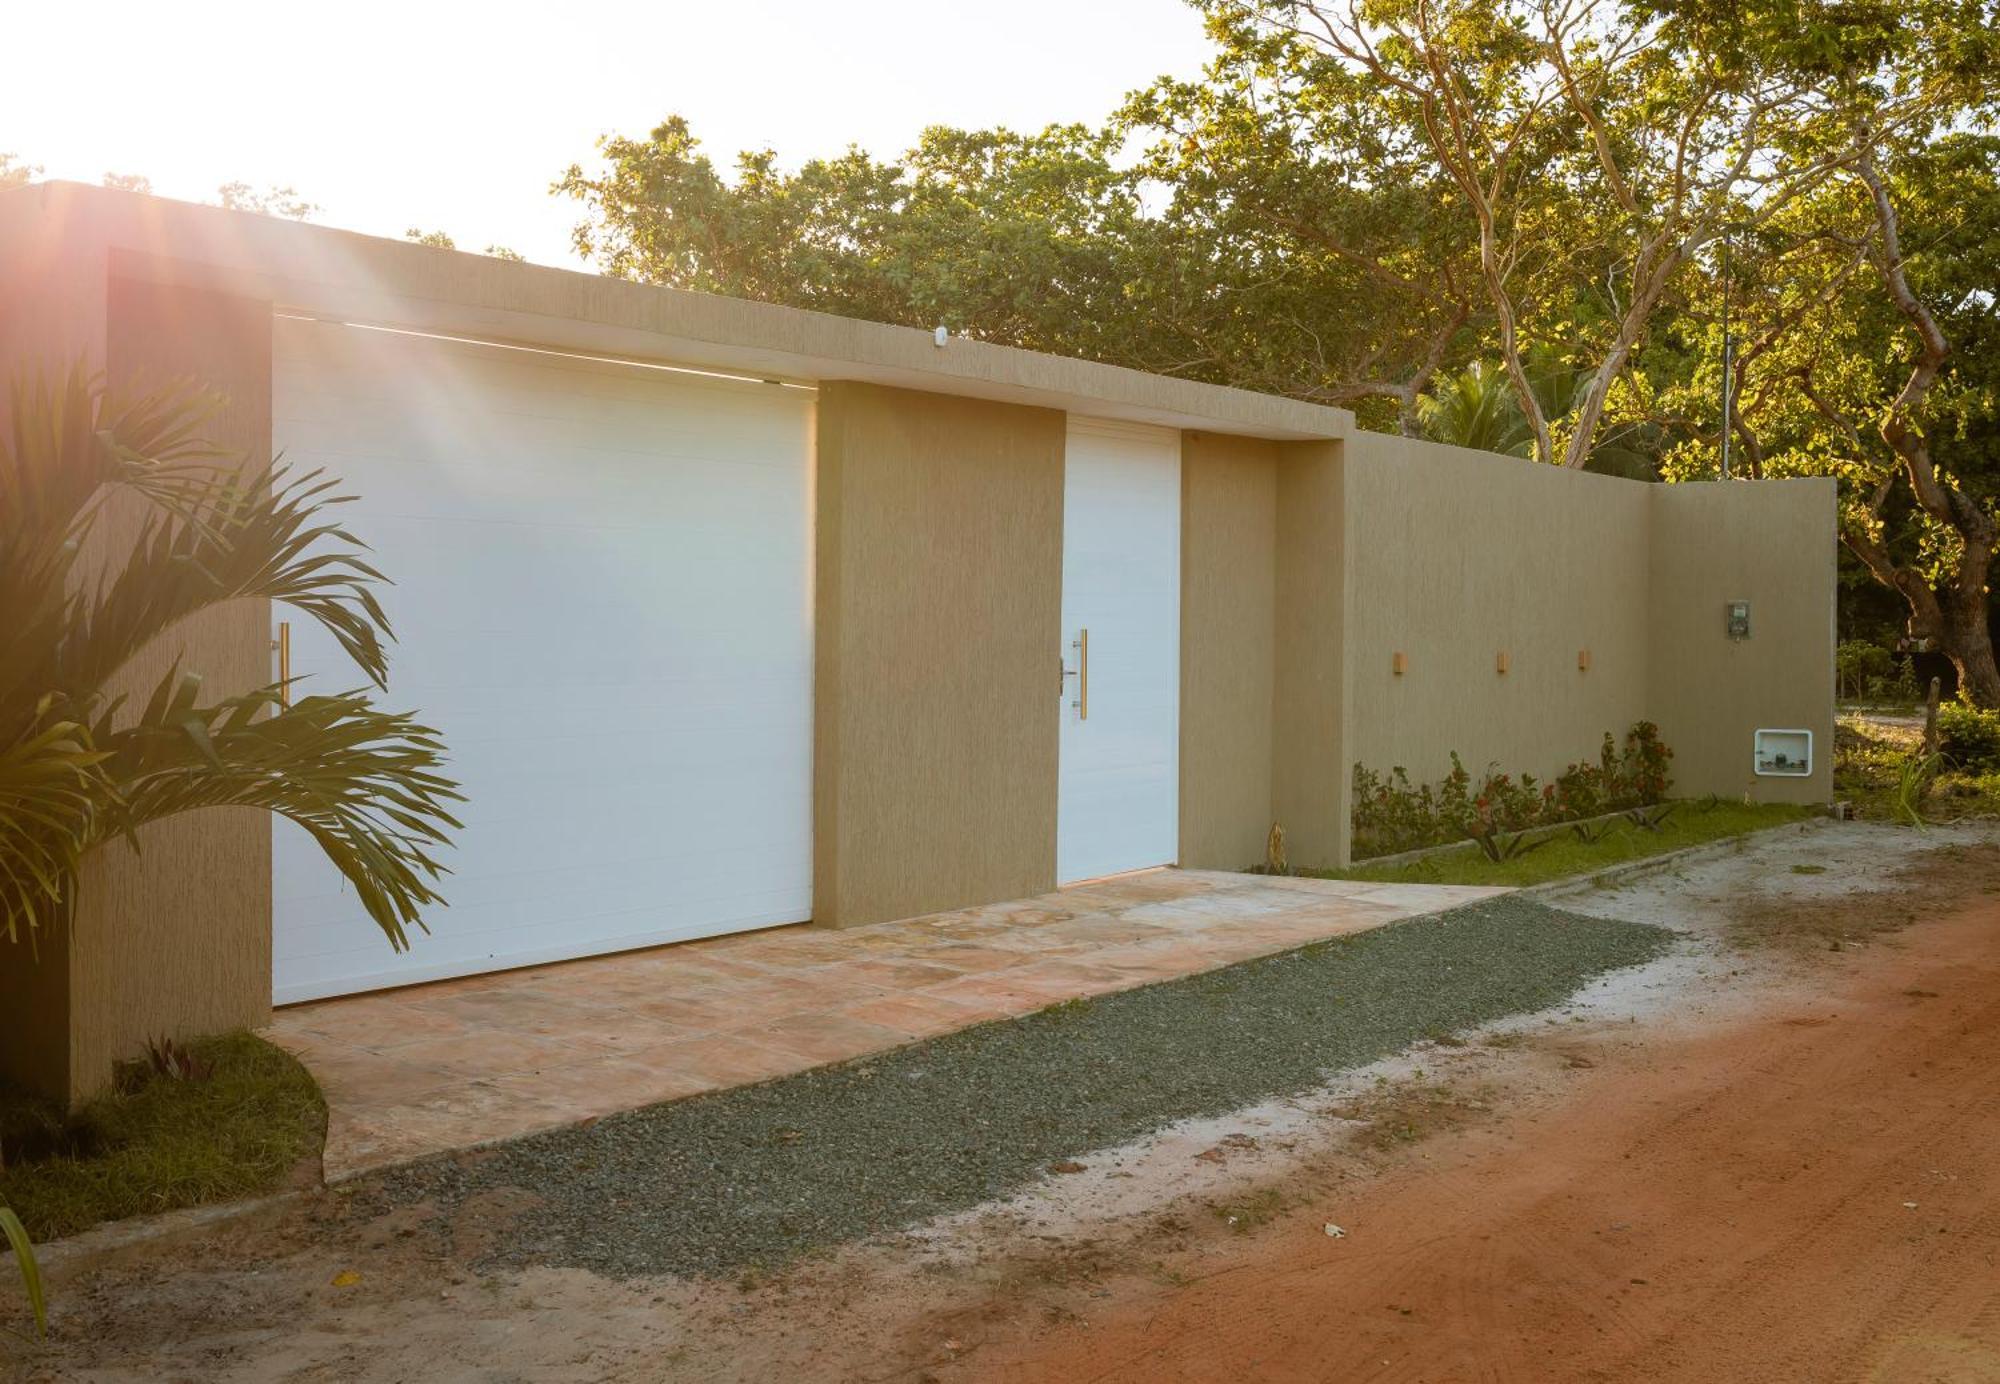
{"x":1082,"y":646}
{"x":282,"y":646}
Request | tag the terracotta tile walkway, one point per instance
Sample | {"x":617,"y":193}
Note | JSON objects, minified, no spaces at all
{"x":465,"y":1062}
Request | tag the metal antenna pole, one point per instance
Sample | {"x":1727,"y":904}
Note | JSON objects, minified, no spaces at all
{"x":1728,"y":353}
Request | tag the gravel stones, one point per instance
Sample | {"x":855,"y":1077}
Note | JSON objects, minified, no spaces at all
{"x":759,"y":1175}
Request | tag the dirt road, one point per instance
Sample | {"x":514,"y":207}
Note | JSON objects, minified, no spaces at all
{"x":1812,"y":1194}
{"x":1772,"y":1155}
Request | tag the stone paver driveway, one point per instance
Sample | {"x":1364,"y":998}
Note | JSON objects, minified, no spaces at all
{"x":466,"y":1062}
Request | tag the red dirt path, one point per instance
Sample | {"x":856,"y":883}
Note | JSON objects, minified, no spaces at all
{"x":1726,"y":1207}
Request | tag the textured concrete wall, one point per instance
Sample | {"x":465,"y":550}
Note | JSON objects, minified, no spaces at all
{"x":52,"y":313}
{"x":1229,"y":515}
{"x":1311,"y":703}
{"x":1459,"y":557}
{"x":174,"y":939}
{"x":937,"y":657}
{"x":1771,"y":543}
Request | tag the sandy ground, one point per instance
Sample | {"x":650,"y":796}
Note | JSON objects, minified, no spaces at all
{"x":1773,"y":1154}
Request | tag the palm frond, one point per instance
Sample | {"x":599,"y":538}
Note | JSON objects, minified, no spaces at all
{"x":364,"y":783}
{"x":246,"y":538}
{"x":76,"y":768}
{"x":70,"y":444}
{"x":51,"y":781}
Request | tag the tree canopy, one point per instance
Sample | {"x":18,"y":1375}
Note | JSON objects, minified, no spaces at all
{"x":1547,"y":227}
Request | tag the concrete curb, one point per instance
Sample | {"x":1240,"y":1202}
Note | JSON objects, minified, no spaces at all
{"x":1629,"y":869}
{"x":57,"y":1255}
{"x":1459,"y":847}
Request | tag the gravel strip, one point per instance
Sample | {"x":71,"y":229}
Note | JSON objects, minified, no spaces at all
{"x":759,"y":1175}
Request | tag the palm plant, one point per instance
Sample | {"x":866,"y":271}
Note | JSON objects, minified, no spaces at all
{"x":1476,"y":408}
{"x":81,"y":766}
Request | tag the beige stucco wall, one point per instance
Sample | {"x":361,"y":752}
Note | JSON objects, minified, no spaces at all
{"x":175,"y":939}
{"x":1770,"y":543}
{"x":1459,"y":556}
{"x":1229,"y":516}
{"x":1311,"y":703}
{"x":52,"y":312}
{"x":938,"y":603}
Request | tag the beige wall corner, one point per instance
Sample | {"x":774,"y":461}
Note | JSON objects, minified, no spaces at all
{"x":938,"y":603}
{"x":1773,"y":544}
{"x":52,"y":314}
{"x":1310,"y":710}
{"x":175,"y":939}
{"x":1462,"y":557}
{"x":1229,"y":510}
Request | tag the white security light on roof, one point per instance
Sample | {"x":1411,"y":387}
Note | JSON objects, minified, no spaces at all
{"x":940,"y":336}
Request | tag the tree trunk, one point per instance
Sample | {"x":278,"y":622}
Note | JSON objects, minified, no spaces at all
{"x":1967,"y":641}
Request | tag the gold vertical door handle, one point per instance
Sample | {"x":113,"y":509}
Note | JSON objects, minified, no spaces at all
{"x":1083,"y":675}
{"x":283,"y":644}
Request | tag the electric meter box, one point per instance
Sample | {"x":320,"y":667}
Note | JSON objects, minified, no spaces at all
{"x":1783,"y":753}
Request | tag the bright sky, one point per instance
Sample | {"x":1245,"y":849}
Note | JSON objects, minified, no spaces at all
{"x":457,"y":117}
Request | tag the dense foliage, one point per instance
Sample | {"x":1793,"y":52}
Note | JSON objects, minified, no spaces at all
{"x":1530,"y":226}
{"x":1391,"y":814}
{"x":1968,"y":738}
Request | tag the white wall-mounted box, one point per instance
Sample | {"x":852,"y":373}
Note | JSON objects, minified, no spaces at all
{"x":1785,"y":753}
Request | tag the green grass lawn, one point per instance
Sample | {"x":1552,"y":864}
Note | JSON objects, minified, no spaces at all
{"x":160,"y":1143}
{"x":1563,"y":854}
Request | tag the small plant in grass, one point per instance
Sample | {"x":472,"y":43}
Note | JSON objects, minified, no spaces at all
{"x":1498,"y":846}
{"x":31,"y":1270}
{"x":1590,"y":833}
{"x":173,"y":1061}
{"x":1912,"y":783}
{"x":1651,"y":818}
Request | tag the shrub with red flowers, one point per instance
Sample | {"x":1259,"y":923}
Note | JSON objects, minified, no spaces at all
{"x":1391,"y":814}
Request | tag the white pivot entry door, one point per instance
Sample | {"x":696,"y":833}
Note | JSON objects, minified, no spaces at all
{"x":603,"y":600}
{"x":1119,"y":795}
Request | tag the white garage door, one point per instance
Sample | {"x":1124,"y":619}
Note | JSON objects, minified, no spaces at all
{"x":1118,"y":804}
{"x":603,"y":599}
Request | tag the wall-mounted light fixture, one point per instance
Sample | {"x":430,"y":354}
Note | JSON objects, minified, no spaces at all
{"x":1500,"y":663}
{"x":1399,"y":663}
{"x":1583,"y":660}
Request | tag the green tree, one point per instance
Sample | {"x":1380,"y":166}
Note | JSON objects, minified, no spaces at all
{"x":1476,"y":408}
{"x":79,"y":766}
{"x":271,"y":201}
{"x":1600,"y":145}
{"x":1261,"y":227}
{"x":1869,"y":354}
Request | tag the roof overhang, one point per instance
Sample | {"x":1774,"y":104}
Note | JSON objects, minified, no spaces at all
{"x":340,"y":275}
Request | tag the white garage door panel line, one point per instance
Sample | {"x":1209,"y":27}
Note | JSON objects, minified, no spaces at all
{"x":598,"y":373}
{"x":510,"y":929}
{"x":318,"y":940}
